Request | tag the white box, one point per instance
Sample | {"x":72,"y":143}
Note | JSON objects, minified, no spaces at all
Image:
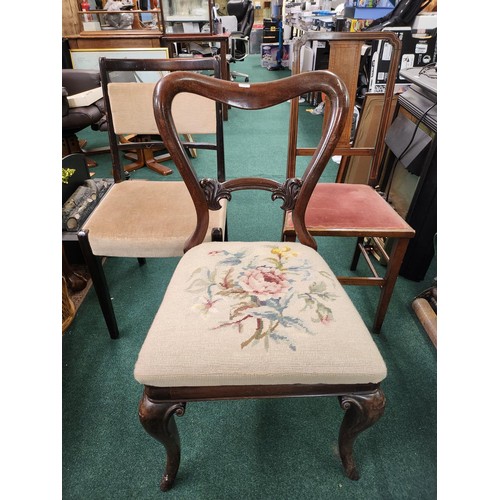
{"x":425,"y":21}
{"x":85,"y":98}
{"x":91,"y":26}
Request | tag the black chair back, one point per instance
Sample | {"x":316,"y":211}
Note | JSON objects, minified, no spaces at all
{"x":244,"y":12}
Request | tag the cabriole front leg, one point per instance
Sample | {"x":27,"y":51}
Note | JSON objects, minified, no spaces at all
{"x":362,"y":411}
{"x":158,"y":420}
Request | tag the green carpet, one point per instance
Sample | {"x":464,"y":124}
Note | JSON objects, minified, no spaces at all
{"x":255,"y":449}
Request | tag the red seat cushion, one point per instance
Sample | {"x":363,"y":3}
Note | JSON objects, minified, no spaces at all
{"x":350,"y":206}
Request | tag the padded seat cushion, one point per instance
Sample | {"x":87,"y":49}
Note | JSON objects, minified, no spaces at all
{"x":351,"y":206}
{"x":256,"y":313}
{"x":140,"y":218}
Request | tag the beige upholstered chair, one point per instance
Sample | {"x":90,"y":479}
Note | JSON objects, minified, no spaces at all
{"x":255,"y":319}
{"x":141,"y":218}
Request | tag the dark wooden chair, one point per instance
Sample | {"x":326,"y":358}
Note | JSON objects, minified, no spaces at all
{"x":340,"y":209}
{"x":256,"y":319}
{"x":141,"y":218}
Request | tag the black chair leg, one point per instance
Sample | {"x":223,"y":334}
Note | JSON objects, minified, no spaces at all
{"x":217,"y":234}
{"x":357,"y":253}
{"x":96,"y":271}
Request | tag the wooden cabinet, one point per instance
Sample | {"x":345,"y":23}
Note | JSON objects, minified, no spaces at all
{"x":110,"y":17}
{"x":114,"y":42}
{"x":117,"y":18}
{"x":96,"y":28}
{"x":88,"y":24}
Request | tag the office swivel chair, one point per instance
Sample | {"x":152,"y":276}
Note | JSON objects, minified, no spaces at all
{"x":243,"y":10}
{"x":76,"y":119}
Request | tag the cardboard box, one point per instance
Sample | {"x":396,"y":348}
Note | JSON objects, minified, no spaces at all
{"x":415,"y":52}
{"x":269,"y":51}
{"x":85,"y":98}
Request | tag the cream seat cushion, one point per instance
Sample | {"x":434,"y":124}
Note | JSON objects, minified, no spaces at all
{"x":253,"y":313}
{"x":140,"y":218}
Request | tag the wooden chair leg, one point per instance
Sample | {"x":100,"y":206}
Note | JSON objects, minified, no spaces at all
{"x":357,"y":253}
{"x":216,"y":234}
{"x":100,"y":284}
{"x":362,"y":411}
{"x":157,"y":418}
{"x":398,"y":251}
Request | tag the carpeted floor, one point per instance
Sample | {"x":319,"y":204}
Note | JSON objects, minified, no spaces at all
{"x":272,"y":449}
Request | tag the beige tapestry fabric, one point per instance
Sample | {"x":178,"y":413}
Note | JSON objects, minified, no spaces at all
{"x":132,"y":110}
{"x":140,"y":218}
{"x":251,"y":313}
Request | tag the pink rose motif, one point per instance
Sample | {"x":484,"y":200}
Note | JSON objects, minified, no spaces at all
{"x":265,"y":282}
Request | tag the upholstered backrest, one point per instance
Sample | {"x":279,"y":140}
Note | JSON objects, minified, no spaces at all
{"x":244,"y":12}
{"x":229,"y":23}
{"x":128,"y":86}
{"x":132,"y":109}
{"x":295,"y":193}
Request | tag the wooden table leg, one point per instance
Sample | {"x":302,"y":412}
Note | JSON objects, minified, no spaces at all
{"x":146,"y":158}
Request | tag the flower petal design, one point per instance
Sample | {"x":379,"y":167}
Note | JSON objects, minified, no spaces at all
{"x":262,"y":296}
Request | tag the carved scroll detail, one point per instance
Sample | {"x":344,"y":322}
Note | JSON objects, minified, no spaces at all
{"x":179,"y":409}
{"x":214,"y":192}
{"x":288,"y":192}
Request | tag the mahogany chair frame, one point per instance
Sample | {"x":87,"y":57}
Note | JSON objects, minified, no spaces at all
{"x":345,"y":48}
{"x":107,"y":65}
{"x":363,"y":403}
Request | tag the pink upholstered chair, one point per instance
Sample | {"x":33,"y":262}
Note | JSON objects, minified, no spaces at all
{"x":256,"y":319}
{"x":347,"y":210}
{"x":356,"y":210}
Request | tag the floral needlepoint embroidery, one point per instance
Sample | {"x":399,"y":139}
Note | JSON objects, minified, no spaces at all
{"x":265,"y":282}
{"x":207,"y":306}
{"x":258,"y":295}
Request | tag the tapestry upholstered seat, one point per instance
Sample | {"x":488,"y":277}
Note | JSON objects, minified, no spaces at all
{"x":257,"y":313}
